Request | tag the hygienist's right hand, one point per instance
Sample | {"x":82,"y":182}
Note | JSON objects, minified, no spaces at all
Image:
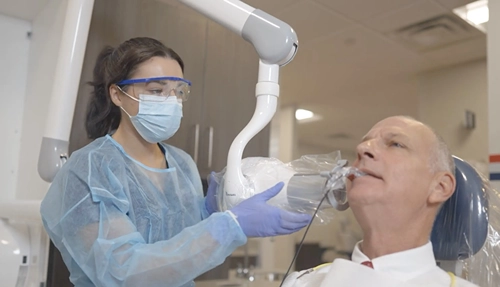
{"x":259,"y":219}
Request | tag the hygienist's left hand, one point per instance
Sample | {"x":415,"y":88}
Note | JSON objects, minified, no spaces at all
{"x":211,"y":198}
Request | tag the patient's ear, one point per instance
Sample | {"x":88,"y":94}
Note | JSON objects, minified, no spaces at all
{"x":442,"y":188}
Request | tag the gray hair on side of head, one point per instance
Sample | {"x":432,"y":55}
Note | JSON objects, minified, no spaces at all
{"x":441,"y":158}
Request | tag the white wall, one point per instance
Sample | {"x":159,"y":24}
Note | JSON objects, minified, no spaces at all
{"x":14,"y":53}
{"x":444,"y":96}
{"x":26,"y":78}
{"x":277,"y":253}
{"x":286,"y":130}
{"x":493,"y":132}
{"x":494,"y":86}
{"x":46,"y":37}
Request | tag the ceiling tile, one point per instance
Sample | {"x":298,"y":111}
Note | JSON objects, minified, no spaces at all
{"x":363,"y":9}
{"x":271,"y":6}
{"x":359,"y":50}
{"x":461,"y":52}
{"x":23,"y":9}
{"x":391,"y":21}
{"x":452,"y":4}
{"x":311,"y":21}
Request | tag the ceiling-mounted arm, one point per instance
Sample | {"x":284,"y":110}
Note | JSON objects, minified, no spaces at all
{"x":276,"y":44}
{"x":55,"y":142}
{"x":274,"y":40}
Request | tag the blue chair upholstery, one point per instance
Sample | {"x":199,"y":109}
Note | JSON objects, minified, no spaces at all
{"x":461,"y":226}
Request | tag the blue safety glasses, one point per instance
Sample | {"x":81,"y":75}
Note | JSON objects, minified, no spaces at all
{"x":160,"y":86}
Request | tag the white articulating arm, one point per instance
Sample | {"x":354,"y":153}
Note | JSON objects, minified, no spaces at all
{"x":276,"y":44}
{"x":274,"y":40}
{"x":55,"y":142}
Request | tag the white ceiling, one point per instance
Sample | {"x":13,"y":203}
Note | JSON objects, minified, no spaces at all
{"x":23,"y":9}
{"x":349,"y":69}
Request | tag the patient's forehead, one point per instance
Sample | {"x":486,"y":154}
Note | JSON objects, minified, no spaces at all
{"x":415,"y":131}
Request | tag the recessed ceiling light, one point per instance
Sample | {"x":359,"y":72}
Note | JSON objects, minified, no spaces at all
{"x":476,"y":13}
{"x":306,"y":116}
{"x":301,"y":114}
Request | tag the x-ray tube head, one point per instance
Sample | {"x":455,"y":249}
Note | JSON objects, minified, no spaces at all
{"x":307,"y":181}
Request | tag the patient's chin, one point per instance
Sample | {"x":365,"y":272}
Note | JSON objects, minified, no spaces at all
{"x":362,"y":194}
{"x":348,"y":185}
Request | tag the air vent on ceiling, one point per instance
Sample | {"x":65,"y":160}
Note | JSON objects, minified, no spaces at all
{"x":435,"y":33}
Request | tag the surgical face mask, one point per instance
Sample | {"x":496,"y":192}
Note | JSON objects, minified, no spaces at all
{"x":158,"y":118}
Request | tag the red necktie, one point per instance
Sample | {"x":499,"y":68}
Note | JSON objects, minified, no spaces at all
{"x":367,"y":263}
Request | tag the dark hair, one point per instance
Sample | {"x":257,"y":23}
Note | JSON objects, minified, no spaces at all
{"x":113,"y":66}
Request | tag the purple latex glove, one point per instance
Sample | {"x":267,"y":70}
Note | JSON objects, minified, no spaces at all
{"x":259,"y":219}
{"x":211,"y":199}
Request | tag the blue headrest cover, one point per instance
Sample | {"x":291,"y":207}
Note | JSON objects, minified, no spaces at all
{"x":461,"y":225}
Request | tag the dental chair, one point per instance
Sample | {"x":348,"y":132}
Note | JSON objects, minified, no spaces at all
{"x":461,"y":227}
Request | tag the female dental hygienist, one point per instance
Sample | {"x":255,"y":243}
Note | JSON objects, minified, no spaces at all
{"x":127,"y":209}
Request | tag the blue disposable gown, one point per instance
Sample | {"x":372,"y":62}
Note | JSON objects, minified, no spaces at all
{"x":120,"y":223}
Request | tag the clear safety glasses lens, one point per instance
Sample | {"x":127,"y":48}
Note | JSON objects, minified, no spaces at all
{"x":162,"y":87}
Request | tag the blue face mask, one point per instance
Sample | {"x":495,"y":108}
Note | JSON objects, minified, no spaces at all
{"x":158,"y":118}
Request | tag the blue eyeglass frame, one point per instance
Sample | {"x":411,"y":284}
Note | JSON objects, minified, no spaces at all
{"x":145,"y":80}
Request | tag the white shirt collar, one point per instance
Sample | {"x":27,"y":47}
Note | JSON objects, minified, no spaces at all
{"x":403,"y":265}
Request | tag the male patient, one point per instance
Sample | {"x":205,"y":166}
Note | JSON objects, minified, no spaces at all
{"x":410,"y":173}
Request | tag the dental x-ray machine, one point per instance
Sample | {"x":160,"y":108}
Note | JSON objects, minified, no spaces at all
{"x":276,"y":44}
{"x":274,"y":41}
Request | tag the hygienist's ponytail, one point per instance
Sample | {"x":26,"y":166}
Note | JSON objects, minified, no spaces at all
{"x":102,"y":115}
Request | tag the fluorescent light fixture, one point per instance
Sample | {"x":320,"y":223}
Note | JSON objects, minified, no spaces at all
{"x":476,"y":13}
{"x":301,"y":114}
{"x":479,"y":15}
